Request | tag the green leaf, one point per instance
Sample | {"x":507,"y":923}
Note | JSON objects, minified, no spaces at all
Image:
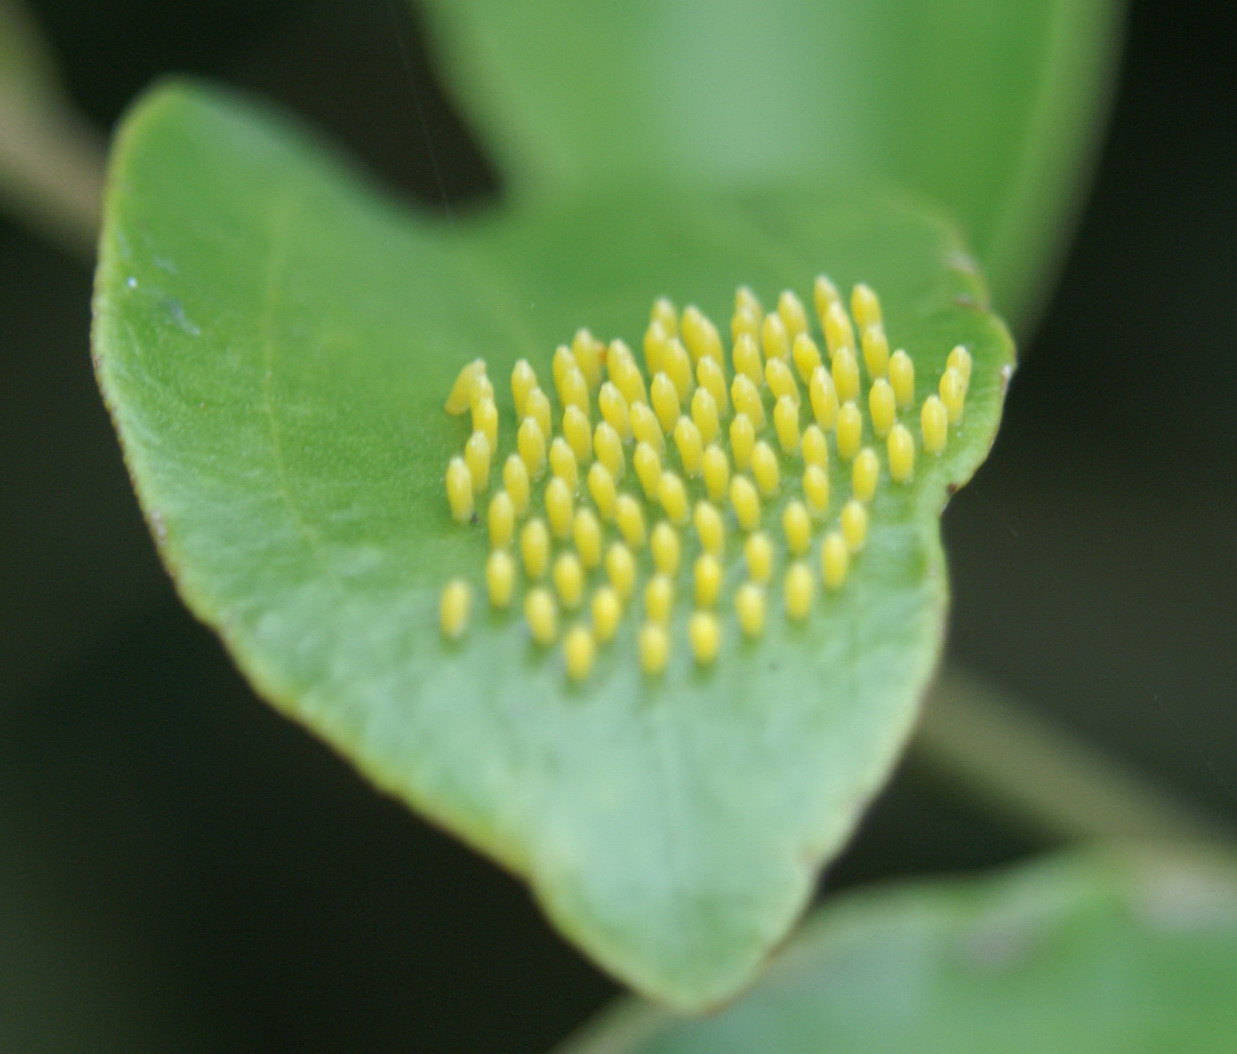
{"x":276,"y":341}
{"x":988,"y":108}
{"x":1095,"y":954}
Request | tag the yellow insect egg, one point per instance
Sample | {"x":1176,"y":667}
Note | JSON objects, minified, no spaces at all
{"x":563,"y":463}
{"x":806,"y":355}
{"x":678,"y":366}
{"x":621,"y":569}
{"x":630,"y":519}
{"x":824,"y":296}
{"x":749,"y":606}
{"x":665,"y":401}
{"x":715,"y":467}
{"x":850,"y":431}
{"x":798,"y":527}
{"x":482,"y":389}
{"x":865,"y":473}
{"x":645,"y":428}
{"x":578,"y":433}
{"x":541,"y":614}
{"x":742,"y":440}
{"x":515,"y":482}
{"x":800,"y":588}
{"x":746,"y":300}
{"x":562,"y":361}
{"x":574,"y":390}
{"x":654,"y":646}
{"x":501,"y":520}
{"x":607,"y":611}
{"x":535,"y":548}
{"x":530,"y":441}
{"x":704,"y":632}
{"x":477,"y":458}
{"x":881,"y":407}
{"x":460,"y":398}
{"x":781,"y":380}
{"x":628,"y":379}
{"x":614,"y":409}
{"x":459,"y":490}
{"x":618,"y":357}
{"x":745,"y":324}
{"x":523,"y":381}
{"x":537,"y":406}
{"x":453,"y":608}
{"x":673,"y":497}
{"x":815,"y":447}
{"x":786,"y":423}
{"x":845,"y":374}
{"x":500,"y":577}
{"x":665,"y":313}
{"x":747,"y":360}
{"x":765,"y":468}
{"x":711,"y":376}
{"x":960,"y":360}
{"x":602,"y":490}
{"x":710,"y":527}
{"x":704,"y":414}
{"x":774,"y":340}
{"x":824,"y":398}
{"x":790,"y":310}
{"x":934,"y":424}
{"x":691,"y":448}
{"x":559,"y":507}
{"x":901,"y":447}
{"x":658,"y":599}
{"x":707,"y":575}
{"x":700,"y":335}
{"x":608,"y":448}
{"x":875,"y":351}
{"x":586,"y":349}
{"x":865,"y":305}
{"x":579,"y":652}
{"x":586,"y":533}
{"x":854,"y":523}
{"x":648,"y":469}
{"x":568,"y":575}
{"x":655,"y":340}
{"x":816,"y":489}
{"x":953,"y":394}
{"x":666,"y":548}
{"x":485,"y":420}
{"x":838,"y":331}
{"x":758,"y":553}
{"x":902,"y":378}
{"x":746,"y":399}
{"x":834,"y":560}
{"x":746,"y":502}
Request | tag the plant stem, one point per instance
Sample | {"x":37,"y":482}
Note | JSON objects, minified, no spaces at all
{"x":51,"y":169}
{"x":1039,"y":776}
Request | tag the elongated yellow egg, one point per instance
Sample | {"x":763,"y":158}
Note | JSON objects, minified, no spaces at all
{"x":500,"y":577}
{"x":460,"y":490}
{"x":453,"y":608}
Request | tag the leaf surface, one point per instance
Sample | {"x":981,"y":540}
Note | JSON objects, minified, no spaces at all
{"x":276,"y":339}
{"x":1081,"y":955}
{"x":989,"y":109}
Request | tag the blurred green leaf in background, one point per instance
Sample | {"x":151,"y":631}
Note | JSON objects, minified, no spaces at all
{"x":989,"y":109}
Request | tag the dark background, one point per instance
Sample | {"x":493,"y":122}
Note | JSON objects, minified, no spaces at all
{"x":182,"y":870}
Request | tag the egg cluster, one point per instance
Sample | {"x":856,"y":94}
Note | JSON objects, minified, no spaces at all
{"x":627,"y":489}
